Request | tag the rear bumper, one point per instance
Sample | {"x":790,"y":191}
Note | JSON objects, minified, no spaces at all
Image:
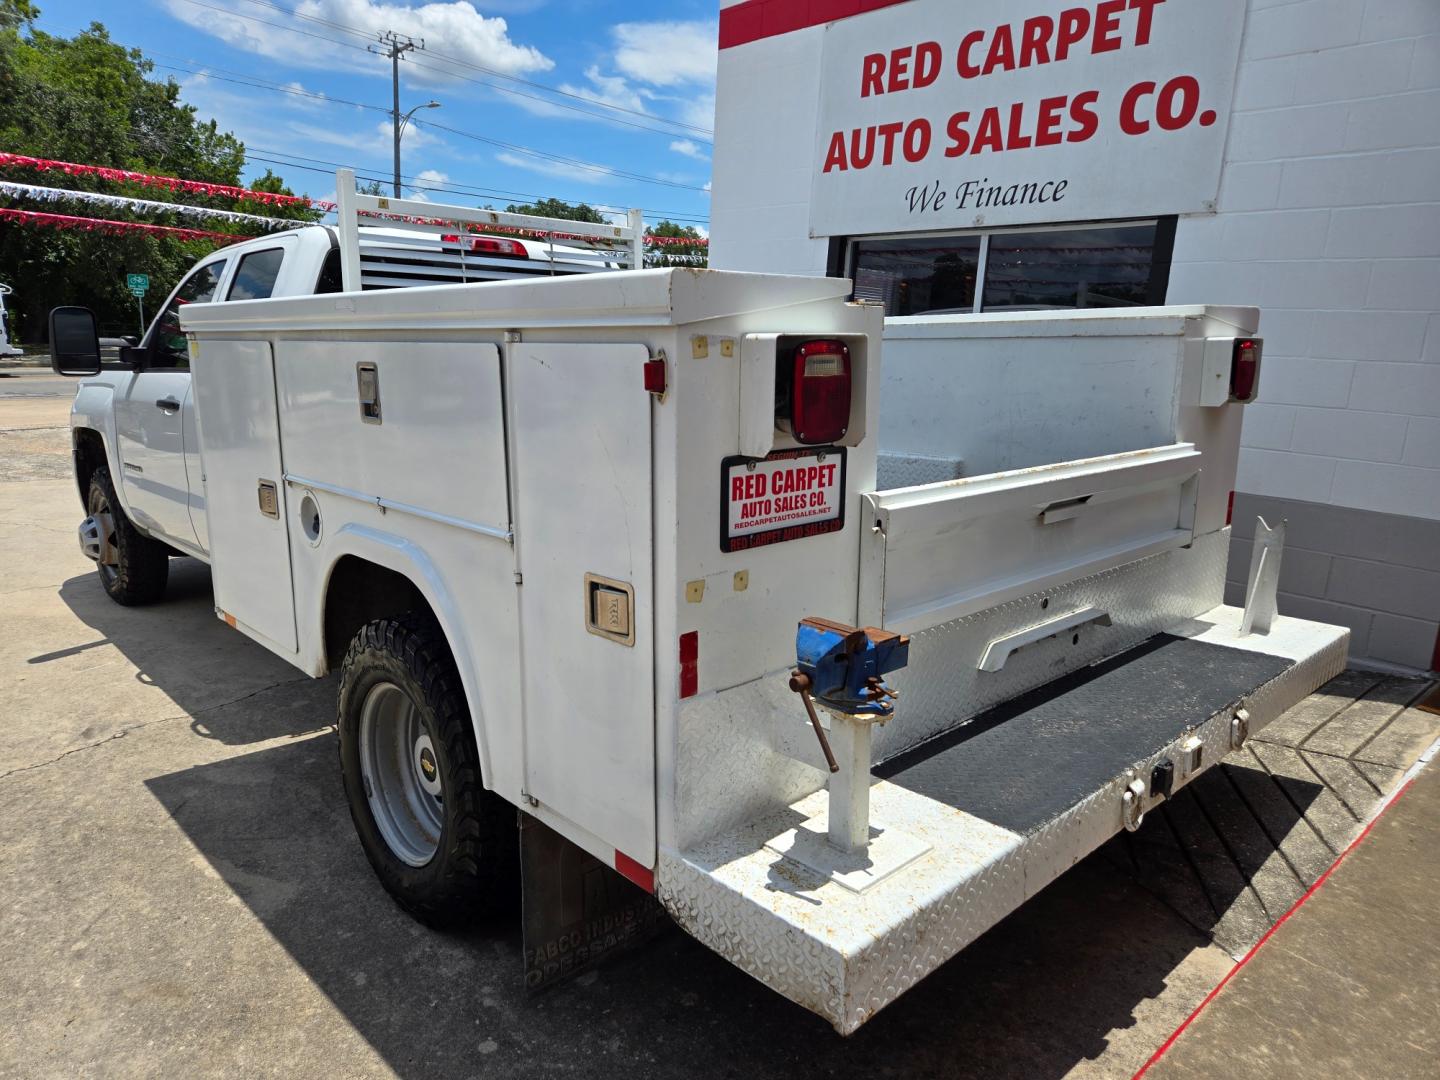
{"x":848,"y":944}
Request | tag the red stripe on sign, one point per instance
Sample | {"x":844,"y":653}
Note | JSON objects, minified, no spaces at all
{"x":690,"y":664}
{"x":757,"y":19}
{"x":632,"y":870}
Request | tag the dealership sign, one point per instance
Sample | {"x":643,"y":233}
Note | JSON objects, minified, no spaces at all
{"x":941,"y":115}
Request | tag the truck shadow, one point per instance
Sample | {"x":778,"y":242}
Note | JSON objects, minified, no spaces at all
{"x":204,"y":666}
{"x":1057,"y":985}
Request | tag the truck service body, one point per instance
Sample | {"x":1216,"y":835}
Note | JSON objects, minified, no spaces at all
{"x":685,"y":535}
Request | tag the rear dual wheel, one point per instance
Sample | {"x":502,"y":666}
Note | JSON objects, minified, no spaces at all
{"x":444,"y":847}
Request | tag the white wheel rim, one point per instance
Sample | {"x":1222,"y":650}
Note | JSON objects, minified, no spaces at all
{"x":401,"y":773}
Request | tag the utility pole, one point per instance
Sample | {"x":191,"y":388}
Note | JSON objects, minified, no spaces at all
{"x":395,"y":46}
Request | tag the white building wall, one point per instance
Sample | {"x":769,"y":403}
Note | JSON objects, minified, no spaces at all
{"x":1328,"y":219}
{"x":760,"y":179}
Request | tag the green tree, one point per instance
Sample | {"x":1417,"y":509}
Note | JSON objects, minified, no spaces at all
{"x":90,"y":100}
{"x":559,"y":208}
{"x":697,"y":254}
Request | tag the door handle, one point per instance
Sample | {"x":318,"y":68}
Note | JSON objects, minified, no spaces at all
{"x":167,"y":403}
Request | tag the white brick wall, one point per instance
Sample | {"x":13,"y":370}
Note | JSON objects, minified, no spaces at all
{"x":1329,"y":220}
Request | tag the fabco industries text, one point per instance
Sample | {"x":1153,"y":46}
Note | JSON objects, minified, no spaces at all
{"x":1040,"y":117}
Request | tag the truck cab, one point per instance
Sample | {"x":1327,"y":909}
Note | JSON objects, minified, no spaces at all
{"x":148,"y":398}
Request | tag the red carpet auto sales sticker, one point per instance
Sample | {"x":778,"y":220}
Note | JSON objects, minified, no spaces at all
{"x":790,"y":495}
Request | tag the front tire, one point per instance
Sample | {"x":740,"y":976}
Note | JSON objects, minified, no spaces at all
{"x":133,"y":568}
{"x":444,"y":847}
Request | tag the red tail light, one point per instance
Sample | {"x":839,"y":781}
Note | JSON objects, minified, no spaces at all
{"x":488,"y":245}
{"x":1244,"y":369}
{"x":820,"y":392}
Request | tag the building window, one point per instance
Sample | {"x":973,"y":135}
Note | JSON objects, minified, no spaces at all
{"x":1074,"y":266}
{"x":916,"y":276}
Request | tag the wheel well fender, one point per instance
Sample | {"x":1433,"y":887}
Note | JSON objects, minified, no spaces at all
{"x":93,"y":434}
{"x":89,"y":451}
{"x":376,"y":574}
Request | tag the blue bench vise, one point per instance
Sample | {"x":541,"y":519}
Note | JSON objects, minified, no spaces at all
{"x":844,"y":668}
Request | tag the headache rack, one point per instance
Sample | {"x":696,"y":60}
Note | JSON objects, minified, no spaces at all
{"x":410,"y":242}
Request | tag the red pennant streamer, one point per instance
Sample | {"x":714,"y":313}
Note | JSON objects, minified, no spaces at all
{"x":103,"y":225}
{"x":173,"y":183}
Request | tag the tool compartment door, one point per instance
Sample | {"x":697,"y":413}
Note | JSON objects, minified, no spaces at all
{"x":582,"y":505}
{"x":245,"y":488}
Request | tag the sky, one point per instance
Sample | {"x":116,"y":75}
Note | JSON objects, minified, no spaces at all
{"x":606,"y":103}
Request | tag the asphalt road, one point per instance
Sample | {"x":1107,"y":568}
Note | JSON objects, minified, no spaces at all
{"x":181,"y":892}
{"x":34,"y":382}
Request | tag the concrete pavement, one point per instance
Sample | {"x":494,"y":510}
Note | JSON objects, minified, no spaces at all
{"x":1346,"y":987}
{"x":181,"y":891}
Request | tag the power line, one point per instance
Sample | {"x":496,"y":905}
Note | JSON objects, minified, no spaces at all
{"x":604,"y":170}
{"x":694,"y":131}
{"x":697,"y":134}
{"x":262,"y":84}
{"x":576,"y":163}
{"x":293,"y":161}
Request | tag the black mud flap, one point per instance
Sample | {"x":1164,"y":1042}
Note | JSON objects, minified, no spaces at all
{"x":577,"y":910}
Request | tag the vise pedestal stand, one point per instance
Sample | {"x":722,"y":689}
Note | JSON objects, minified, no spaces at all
{"x":842,"y":669}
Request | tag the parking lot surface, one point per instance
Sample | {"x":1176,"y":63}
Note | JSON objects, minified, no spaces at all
{"x":182,"y":892}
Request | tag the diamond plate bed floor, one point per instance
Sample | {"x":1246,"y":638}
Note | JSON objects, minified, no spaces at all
{"x":1022,"y":764}
{"x":1235,"y":849}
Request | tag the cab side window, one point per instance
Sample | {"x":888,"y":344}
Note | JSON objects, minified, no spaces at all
{"x":330,"y":279}
{"x":168,"y":348}
{"x":256,"y":274}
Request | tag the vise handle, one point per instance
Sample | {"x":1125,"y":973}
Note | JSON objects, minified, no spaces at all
{"x":800,"y":683}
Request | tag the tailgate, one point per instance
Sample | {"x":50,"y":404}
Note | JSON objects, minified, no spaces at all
{"x":946,"y":550}
{"x":1007,"y":581}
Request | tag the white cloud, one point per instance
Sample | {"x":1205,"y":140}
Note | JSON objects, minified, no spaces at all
{"x":557,"y":168}
{"x":689,"y":148}
{"x":427,"y":180}
{"x":241,"y":113}
{"x":607,"y":90}
{"x":302,"y":97}
{"x":377,"y":140}
{"x":699,"y":111}
{"x":665,"y":70}
{"x":453,"y":28}
{"x":667,"y":53}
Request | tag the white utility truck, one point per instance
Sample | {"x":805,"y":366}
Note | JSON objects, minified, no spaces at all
{"x":630,"y":552}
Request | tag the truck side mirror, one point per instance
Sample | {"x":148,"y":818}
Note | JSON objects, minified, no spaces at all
{"x":74,"y":341}
{"x":134,"y":357}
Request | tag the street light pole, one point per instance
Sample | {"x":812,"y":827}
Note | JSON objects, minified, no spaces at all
{"x":399,"y":133}
{"x":394,"y":46}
